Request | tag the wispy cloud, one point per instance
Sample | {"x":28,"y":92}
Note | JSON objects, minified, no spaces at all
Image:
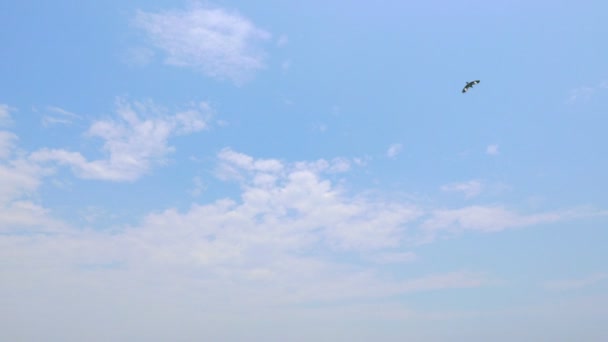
{"x":394,"y":150}
{"x":5,"y":114}
{"x":585,"y":93}
{"x":393,"y":257}
{"x":494,"y":218}
{"x":492,"y":150}
{"x":581,"y":94}
{"x":7,"y":143}
{"x":134,"y":141}
{"x":286,"y":65}
{"x":198,"y":187}
{"x":470,"y":189}
{"x":578,"y":283}
{"x":221,"y":44}
{"x":56,"y":115}
{"x":138,"y":56}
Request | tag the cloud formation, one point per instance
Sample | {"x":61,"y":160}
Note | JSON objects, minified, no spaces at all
{"x":134,"y":141}
{"x":58,"y":116}
{"x":394,"y":150}
{"x":5,"y":114}
{"x":291,"y":238}
{"x":470,"y":189}
{"x":219,"y":43}
{"x":19,"y":181}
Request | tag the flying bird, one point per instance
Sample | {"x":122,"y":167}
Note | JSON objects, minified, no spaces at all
{"x":469,"y":85}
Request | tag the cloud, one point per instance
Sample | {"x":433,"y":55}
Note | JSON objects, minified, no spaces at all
{"x":394,"y":150}
{"x":57,"y":115}
{"x":5,"y":114}
{"x":138,"y":56}
{"x":292,"y":242}
{"x":19,"y":181}
{"x":581,"y":94}
{"x":585,"y":93}
{"x":7,"y":143}
{"x":219,"y":43}
{"x":493,"y":219}
{"x":280,"y":245}
{"x":470,"y":189}
{"x":574,"y":284}
{"x":393,"y":257}
{"x":198,"y":187}
{"x":492,"y":150}
{"x":134,"y":141}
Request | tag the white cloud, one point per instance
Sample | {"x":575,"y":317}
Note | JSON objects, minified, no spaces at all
{"x":494,"y":218}
{"x":57,"y":115}
{"x":19,"y":181}
{"x":581,"y":94}
{"x":7,"y":143}
{"x":277,"y":247}
{"x":5,"y":114}
{"x":219,"y":43}
{"x":135,"y":141}
{"x":470,"y":189}
{"x":288,"y":194}
{"x":198,"y":188}
{"x":393,"y":257}
{"x":579,"y":283}
{"x":394,"y":150}
{"x":492,"y":150}
{"x":585,"y":93}
{"x":138,"y":56}
{"x":288,"y":243}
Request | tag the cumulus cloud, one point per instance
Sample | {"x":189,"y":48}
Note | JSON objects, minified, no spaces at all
{"x":221,"y":44}
{"x":134,"y":141}
{"x":19,"y":181}
{"x":276,"y":247}
{"x":290,"y":239}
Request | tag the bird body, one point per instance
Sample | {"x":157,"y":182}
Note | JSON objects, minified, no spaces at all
{"x":469,"y":85}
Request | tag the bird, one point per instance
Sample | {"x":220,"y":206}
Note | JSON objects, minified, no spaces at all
{"x":469,"y":85}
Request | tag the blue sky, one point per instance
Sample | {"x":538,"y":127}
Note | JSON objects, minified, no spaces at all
{"x":237,"y":171}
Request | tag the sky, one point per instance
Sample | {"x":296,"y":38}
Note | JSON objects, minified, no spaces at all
{"x":303,"y":171}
